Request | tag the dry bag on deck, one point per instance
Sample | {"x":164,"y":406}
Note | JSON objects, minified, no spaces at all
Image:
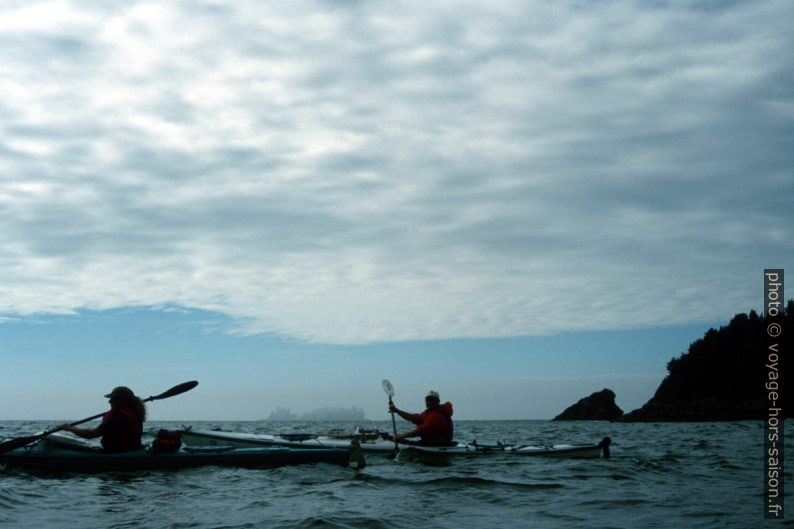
{"x":167,"y":441}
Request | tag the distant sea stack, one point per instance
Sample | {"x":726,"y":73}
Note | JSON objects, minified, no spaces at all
{"x":723,"y":375}
{"x":600,"y":406}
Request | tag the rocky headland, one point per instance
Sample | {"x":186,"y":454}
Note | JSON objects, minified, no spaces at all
{"x":724,"y":376}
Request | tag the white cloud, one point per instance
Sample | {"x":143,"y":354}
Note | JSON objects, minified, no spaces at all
{"x":367,"y":172}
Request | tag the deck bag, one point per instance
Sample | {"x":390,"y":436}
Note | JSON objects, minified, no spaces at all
{"x":167,"y":442}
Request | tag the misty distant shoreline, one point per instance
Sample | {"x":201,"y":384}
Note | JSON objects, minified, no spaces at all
{"x":354,"y":413}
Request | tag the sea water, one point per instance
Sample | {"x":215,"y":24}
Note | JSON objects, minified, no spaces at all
{"x":666,"y":475}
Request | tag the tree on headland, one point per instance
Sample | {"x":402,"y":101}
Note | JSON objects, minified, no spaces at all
{"x":722,"y":375}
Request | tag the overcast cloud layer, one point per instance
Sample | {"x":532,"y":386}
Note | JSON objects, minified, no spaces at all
{"x":353,"y":172}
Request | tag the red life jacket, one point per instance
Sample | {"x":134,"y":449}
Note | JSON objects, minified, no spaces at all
{"x":435,"y":425}
{"x":128,"y":438}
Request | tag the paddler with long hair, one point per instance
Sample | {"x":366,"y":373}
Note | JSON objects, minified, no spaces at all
{"x":433,"y":426}
{"x":122,"y":427}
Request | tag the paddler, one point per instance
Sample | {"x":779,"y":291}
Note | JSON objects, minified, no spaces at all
{"x":433,"y":426}
{"x":122,"y":427}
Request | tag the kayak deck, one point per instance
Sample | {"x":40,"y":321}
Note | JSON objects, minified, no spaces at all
{"x":57,"y":455}
{"x":304,"y":441}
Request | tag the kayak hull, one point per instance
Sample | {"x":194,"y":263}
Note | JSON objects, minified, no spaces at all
{"x":56,"y":457}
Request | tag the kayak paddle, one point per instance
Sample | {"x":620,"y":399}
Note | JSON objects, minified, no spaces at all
{"x":19,"y":442}
{"x":387,"y":387}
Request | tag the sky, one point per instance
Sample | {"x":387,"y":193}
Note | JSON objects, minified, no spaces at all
{"x":515,"y":204}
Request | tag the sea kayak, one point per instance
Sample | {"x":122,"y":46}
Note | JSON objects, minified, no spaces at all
{"x":376,"y":442}
{"x":63,"y":454}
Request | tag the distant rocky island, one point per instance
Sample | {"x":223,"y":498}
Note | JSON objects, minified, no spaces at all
{"x":599,"y":406}
{"x":322,"y":414}
{"x":720,"y":378}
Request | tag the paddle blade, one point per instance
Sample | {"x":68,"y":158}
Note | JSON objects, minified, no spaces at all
{"x":176,"y":390}
{"x":19,"y":442}
{"x":387,"y":387}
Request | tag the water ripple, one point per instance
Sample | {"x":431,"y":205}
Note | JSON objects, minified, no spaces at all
{"x":661,"y":475}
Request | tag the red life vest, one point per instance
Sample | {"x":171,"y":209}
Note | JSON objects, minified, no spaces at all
{"x":128,"y":438}
{"x":435,"y":425}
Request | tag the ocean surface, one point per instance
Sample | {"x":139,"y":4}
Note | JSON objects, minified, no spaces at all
{"x":676,"y":475}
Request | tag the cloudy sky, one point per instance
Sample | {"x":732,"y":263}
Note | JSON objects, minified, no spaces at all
{"x":514,"y":203}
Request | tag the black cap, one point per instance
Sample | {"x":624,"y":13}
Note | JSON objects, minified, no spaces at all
{"x":121,"y":393}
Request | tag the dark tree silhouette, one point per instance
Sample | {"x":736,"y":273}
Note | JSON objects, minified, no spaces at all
{"x":722,"y":375}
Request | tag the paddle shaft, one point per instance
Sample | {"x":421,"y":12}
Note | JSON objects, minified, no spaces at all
{"x":24,"y":441}
{"x":394,"y":428}
{"x":389,"y":389}
{"x":393,"y":422}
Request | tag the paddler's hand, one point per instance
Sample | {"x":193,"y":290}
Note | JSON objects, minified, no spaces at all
{"x":392,"y":408}
{"x":66,"y":426}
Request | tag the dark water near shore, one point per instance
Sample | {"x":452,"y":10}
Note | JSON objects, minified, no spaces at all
{"x":680,"y":475}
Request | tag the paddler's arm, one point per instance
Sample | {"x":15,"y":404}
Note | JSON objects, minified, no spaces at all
{"x":85,"y":433}
{"x":410,"y":417}
{"x":401,"y":436}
